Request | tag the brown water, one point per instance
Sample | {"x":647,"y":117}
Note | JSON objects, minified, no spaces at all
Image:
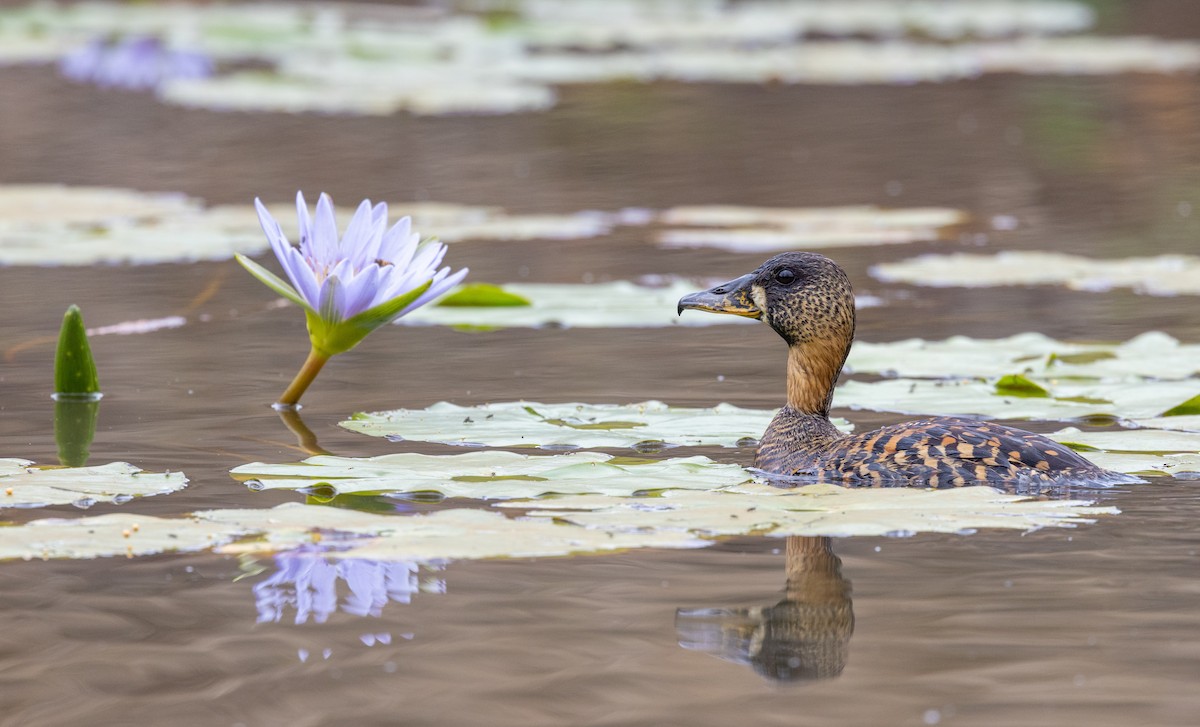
{"x":1097,"y":625}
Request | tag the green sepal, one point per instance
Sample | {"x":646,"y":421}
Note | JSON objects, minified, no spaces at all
{"x":272,"y":281}
{"x":1191,"y":406}
{"x":330,"y":338}
{"x":74,"y":368}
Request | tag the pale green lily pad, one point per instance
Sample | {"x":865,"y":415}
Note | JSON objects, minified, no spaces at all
{"x":342,"y":59}
{"x":1149,"y":355}
{"x":1067,"y":400}
{"x":1136,"y":451}
{"x":649,"y":424}
{"x":23,"y":484}
{"x":50,"y":224}
{"x":59,"y":225}
{"x":618,"y":304}
{"x":1137,"y":463}
{"x":1131,"y":440}
{"x":443,"y":535}
{"x":1189,"y":423}
{"x":818,"y":510}
{"x":459,"y":534}
{"x":106,"y":536}
{"x":674,"y":520}
{"x":771,"y":229}
{"x":491,"y":475}
{"x":1161,"y":275}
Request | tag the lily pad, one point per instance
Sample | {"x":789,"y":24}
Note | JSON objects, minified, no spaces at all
{"x":648,"y":425}
{"x":1033,"y":355}
{"x":107,"y":536}
{"x":23,"y":484}
{"x":59,"y":225}
{"x":619,"y":304}
{"x":1131,"y":440}
{"x":491,"y":475}
{"x":766,"y":229}
{"x":1068,"y":399}
{"x":677,"y":519}
{"x":475,"y":295}
{"x":1161,"y":275}
{"x":443,"y":535}
{"x":340,"y":59}
{"x":818,"y":510}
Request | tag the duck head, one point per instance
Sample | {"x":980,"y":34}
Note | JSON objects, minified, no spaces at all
{"x":803,"y":296}
{"x":807,"y":299}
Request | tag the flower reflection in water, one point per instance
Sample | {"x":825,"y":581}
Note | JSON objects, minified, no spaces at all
{"x":306,"y":581}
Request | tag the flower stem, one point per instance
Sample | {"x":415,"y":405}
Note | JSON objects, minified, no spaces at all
{"x":308,"y":372}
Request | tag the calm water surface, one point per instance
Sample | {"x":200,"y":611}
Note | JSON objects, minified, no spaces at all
{"x":1097,"y":625}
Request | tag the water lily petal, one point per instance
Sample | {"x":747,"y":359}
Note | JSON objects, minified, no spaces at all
{"x":332,"y":300}
{"x":399,"y":243}
{"x":361,"y":290}
{"x":360,"y":244}
{"x":324,"y":232}
{"x":302,"y":275}
{"x":441,"y":283}
{"x":305,"y":222}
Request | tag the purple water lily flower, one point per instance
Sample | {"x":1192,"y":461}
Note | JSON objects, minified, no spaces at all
{"x":351,"y":285}
{"x":133,"y":63}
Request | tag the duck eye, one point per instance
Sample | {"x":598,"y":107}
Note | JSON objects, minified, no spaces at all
{"x":785,"y":276}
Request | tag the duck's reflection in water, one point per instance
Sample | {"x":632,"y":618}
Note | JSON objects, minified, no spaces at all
{"x":307,"y":582}
{"x":805,"y":636}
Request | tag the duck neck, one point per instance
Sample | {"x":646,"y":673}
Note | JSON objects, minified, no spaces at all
{"x":812,"y":370}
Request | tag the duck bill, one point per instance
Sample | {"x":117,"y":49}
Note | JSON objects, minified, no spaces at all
{"x":733,"y":298}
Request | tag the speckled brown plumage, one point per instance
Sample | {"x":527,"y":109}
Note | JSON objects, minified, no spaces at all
{"x":808,"y":300}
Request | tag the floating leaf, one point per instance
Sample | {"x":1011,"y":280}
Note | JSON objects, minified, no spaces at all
{"x":818,"y":510}
{"x":648,"y":425}
{"x":1131,"y":440}
{"x":1187,"y":408}
{"x":1070,"y":400}
{"x":1033,"y":355}
{"x":468,"y":63}
{"x":1162,"y":275}
{"x":474,"y":295}
{"x":24,"y":485}
{"x":1017,"y":385}
{"x":1184,"y":423}
{"x":59,"y":225}
{"x":767,"y":229}
{"x":443,"y":535}
{"x":674,"y":520}
{"x":491,"y":475}
{"x":602,"y":305}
